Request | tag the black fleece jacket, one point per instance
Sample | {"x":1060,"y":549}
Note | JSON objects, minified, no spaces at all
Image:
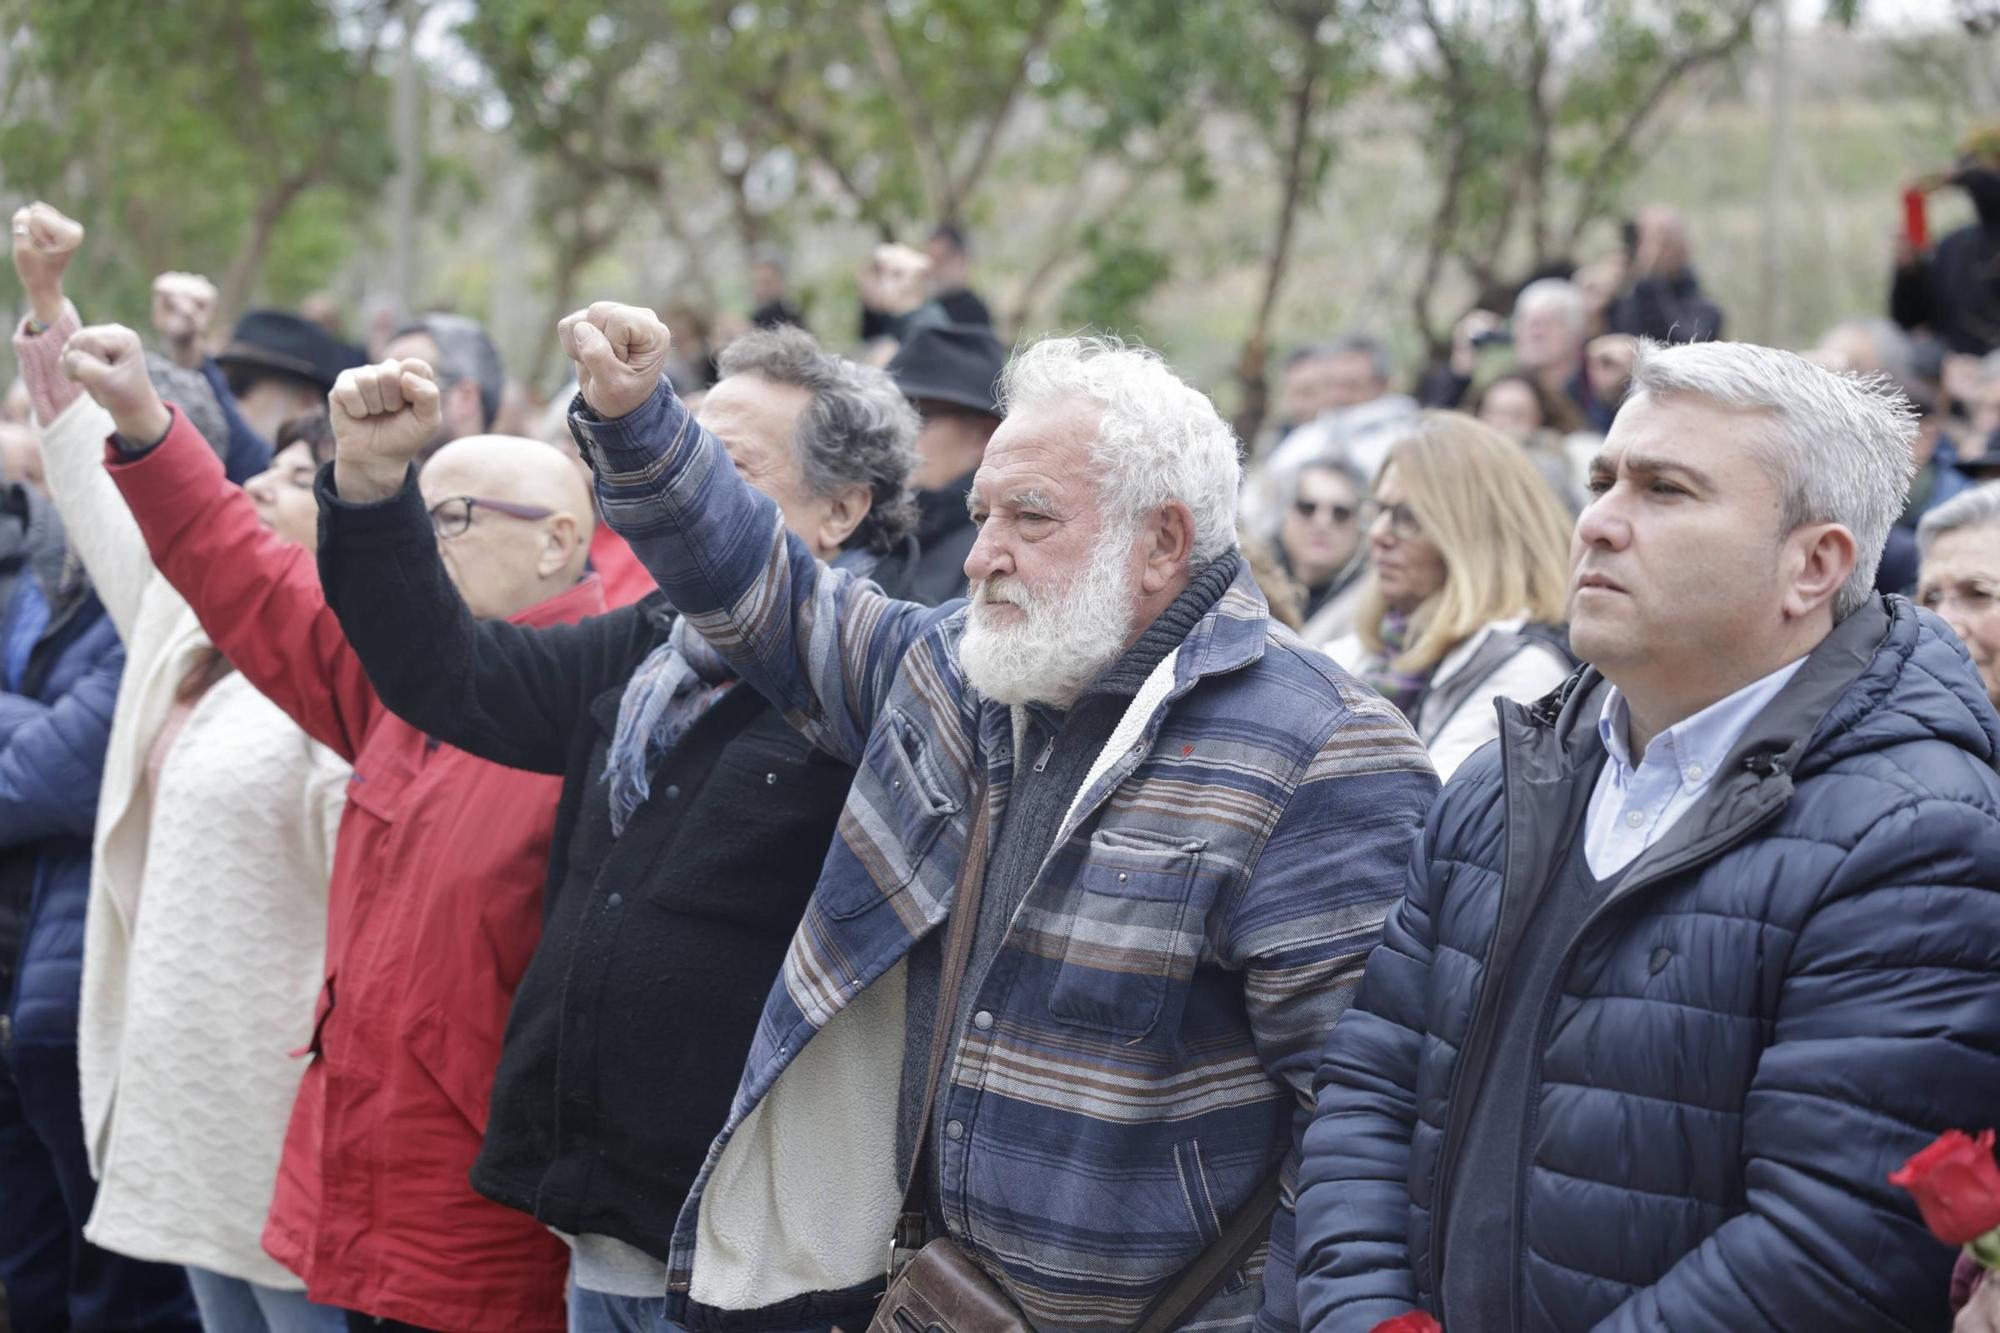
{"x":630,"y":1027}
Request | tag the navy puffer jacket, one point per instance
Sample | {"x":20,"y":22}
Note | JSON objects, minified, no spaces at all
{"x":1789,"y":994}
{"x":60,"y":662}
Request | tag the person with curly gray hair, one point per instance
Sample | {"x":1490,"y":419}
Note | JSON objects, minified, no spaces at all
{"x":693,"y":819}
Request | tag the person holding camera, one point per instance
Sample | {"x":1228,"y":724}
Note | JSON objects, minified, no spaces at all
{"x":1954,"y":289}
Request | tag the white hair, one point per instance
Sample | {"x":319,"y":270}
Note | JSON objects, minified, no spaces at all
{"x":1559,"y":294}
{"x":1840,"y":446}
{"x":1976,"y":508}
{"x":1161,"y":439}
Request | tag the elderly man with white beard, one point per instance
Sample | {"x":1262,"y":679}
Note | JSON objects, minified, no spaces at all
{"x":1117,"y":851}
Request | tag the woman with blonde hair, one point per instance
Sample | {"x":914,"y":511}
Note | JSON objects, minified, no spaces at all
{"x":1464,"y":605}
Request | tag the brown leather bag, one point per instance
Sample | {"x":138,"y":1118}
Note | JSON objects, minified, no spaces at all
{"x":939,"y":1289}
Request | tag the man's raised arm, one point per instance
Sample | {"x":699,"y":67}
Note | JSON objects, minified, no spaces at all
{"x":821,"y":644}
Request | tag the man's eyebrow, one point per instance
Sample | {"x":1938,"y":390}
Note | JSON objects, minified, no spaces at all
{"x":1029,"y":499}
{"x":1650,"y":465}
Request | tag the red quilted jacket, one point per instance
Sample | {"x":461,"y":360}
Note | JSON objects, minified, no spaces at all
{"x":433,"y":912}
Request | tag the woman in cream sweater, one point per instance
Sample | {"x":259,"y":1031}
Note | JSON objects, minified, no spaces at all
{"x":205,"y":938}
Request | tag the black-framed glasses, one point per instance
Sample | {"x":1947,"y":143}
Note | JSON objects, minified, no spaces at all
{"x":450,"y":517}
{"x":1402,"y":521}
{"x":1308,"y":510}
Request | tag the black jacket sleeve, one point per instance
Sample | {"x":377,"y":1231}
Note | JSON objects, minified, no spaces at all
{"x":1910,"y":296}
{"x":507,"y":693}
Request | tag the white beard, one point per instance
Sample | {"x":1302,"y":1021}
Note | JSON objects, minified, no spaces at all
{"x":1064,"y":638}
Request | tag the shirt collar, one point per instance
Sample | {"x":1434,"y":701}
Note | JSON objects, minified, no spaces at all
{"x":1697,"y":745}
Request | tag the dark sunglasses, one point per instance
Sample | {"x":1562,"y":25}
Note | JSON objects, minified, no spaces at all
{"x":1341,"y":514}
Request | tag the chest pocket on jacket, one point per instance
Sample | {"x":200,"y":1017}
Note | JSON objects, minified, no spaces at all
{"x":899,"y":805}
{"x":1128,"y":945}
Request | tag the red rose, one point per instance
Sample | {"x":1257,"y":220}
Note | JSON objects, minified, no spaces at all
{"x":1956,"y":1185}
{"x":1416,"y":1321}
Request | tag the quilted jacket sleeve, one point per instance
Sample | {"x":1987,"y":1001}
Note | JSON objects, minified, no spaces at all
{"x":1329,"y":874}
{"x":52,"y":764}
{"x":257,"y":595}
{"x":820,"y":644}
{"x":1354,"y":1199}
{"x":1887,"y":1033}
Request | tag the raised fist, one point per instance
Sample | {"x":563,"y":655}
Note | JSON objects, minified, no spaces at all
{"x":383,"y":418}
{"x":44,"y":243}
{"x":183,"y":303}
{"x":620,"y":353}
{"x":893,"y":280}
{"x":110,"y":363}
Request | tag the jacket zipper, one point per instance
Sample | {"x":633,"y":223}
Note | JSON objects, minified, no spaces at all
{"x":1455,"y":1128}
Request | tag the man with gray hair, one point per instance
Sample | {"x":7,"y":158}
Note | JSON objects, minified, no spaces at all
{"x":1707,"y":945}
{"x":1550,"y":325}
{"x":470,"y":374}
{"x":1114,"y":855}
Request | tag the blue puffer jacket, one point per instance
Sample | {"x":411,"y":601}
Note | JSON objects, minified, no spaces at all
{"x":60,"y":661}
{"x":1789,"y":994}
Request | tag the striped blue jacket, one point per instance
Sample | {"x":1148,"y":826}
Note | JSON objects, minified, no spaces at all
{"x":1141,"y":1052}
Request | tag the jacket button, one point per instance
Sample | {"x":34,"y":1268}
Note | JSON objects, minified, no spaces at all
{"x":614,"y":900}
{"x":770,"y":779}
{"x":673,"y":793}
{"x":1122,"y":877}
{"x":982,"y":1020}
{"x":954,"y":1129}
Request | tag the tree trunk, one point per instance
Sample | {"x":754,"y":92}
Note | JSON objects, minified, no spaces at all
{"x":249,"y":261}
{"x":1250,"y":365}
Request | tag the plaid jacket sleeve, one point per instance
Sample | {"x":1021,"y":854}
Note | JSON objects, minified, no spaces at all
{"x":1353,"y":1199}
{"x":821,"y":644}
{"x":1329,"y":874}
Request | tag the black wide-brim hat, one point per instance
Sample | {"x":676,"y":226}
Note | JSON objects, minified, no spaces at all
{"x":952,"y":363}
{"x":290,"y":344}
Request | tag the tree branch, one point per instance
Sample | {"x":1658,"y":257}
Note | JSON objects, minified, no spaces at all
{"x":1597,"y":180}
{"x":888,"y":63}
{"x":963,"y":184}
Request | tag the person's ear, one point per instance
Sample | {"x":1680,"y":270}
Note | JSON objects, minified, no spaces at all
{"x":1821,"y":557}
{"x":1166,"y":546}
{"x":844,"y":512}
{"x":560,"y":536}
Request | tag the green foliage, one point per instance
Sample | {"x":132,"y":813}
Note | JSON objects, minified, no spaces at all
{"x":179,"y":126}
{"x":1121,"y":271}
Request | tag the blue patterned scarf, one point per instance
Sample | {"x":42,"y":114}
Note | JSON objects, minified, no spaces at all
{"x":679,"y":681}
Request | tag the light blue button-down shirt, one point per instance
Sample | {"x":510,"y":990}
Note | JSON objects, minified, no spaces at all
{"x":1633,"y":808}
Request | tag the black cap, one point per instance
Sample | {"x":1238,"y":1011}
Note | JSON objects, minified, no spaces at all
{"x":289,"y":344}
{"x":951,"y":363}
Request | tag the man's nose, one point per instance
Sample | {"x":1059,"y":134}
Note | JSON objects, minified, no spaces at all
{"x":988,"y":557}
{"x":1602,"y":523}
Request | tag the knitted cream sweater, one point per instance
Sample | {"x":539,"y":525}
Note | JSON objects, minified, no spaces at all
{"x":206,"y":933}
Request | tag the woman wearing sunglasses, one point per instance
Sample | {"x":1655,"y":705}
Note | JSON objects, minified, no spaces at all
{"x":1320,"y":546}
{"x":1470,"y":569}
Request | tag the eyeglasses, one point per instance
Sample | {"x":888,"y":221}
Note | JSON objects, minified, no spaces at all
{"x":451,"y":517}
{"x":1975,"y":597}
{"x":1401,"y":521}
{"x":1341,"y":514}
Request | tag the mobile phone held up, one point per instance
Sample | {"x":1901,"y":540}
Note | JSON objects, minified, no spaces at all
{"x":1499,"y":337}
{"x":1916,"y":225}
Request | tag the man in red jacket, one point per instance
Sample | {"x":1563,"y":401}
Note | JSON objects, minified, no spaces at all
{"x":435,"y":903}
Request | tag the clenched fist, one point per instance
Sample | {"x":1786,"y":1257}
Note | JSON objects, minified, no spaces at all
{"x":183,"y":303}
{"x":383,"y":418}
{"x":44,"y":243}
{"x":620,"y":353}
{"x":110,"y":363}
